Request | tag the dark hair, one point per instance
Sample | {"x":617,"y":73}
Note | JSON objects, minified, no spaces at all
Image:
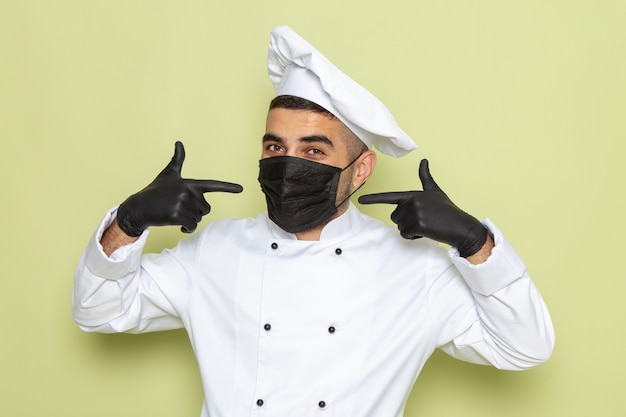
{"x":299,"y":103}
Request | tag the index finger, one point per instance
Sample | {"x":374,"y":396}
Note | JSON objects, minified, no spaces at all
{"x":395,"y":197}
{"x":207,"y":186}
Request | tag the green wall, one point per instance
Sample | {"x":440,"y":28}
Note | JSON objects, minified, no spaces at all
{"x":519,"y":105}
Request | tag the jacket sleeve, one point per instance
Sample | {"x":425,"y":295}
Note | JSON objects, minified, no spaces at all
{"x":119,"y":294}
{"x":494,"y":314}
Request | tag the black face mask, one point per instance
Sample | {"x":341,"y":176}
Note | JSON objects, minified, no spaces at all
{"x":300,"y":193}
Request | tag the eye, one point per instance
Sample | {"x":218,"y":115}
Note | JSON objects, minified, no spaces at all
{"x":315,"y":152}
{"x":274,"y":148}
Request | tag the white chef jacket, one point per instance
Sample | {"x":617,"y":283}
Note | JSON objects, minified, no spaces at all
{"x":337,"y":327}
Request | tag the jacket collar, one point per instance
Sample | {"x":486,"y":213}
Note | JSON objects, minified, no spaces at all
{"x":350,"y":220}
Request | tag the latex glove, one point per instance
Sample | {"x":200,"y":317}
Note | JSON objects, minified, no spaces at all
{"x":170,"y":200}
{"x":430,"y":213}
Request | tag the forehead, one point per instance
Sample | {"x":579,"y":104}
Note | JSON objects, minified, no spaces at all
{"x":294,"y":124}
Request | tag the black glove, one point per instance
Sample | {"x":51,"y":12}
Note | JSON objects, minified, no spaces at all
{"x":430,"y":213}
{"x":170,"y":200}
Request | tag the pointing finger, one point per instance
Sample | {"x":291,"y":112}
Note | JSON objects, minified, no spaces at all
{"x":395,"y":197}
{"x":428,"y":183}
{"x":207,"y":186}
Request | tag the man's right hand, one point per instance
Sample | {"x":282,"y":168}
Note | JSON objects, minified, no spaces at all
{"x":170,"y":200}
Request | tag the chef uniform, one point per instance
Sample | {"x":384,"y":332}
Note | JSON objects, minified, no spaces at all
{"x":336,"y":327}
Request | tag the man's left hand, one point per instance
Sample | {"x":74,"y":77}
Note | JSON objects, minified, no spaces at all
{"x":430,"y":213}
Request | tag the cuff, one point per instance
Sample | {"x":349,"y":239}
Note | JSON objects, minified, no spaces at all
{"x":501,"y":269}
{"x":124,"y":260}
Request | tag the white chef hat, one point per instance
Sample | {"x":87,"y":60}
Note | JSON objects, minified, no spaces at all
{"x":296,"y":68}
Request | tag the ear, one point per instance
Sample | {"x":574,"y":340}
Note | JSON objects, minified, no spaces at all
{"x":364,"y":168}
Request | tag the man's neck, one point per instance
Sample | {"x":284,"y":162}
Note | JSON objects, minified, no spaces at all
{"x":312,"y":234}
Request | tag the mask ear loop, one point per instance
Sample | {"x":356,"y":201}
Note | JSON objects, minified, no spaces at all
{"x":353,"y":161}
{"x":358,"y":188}
{"x":345,"y":199}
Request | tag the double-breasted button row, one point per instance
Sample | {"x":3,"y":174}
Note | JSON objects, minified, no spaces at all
{"x":338,"y":251}
{"x":267,"y":327}
{"x":260,"y":403}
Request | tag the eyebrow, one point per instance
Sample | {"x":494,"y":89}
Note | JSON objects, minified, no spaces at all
{"x":268,"y":137}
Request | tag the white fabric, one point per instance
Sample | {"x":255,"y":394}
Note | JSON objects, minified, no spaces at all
{"x":296,"y":68}
{"x":390,"y":301}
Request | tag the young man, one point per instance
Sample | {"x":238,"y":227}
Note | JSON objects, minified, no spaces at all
{"x":314,"y":307}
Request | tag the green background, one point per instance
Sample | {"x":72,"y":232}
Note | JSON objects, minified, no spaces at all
{"x":519,"y":105}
